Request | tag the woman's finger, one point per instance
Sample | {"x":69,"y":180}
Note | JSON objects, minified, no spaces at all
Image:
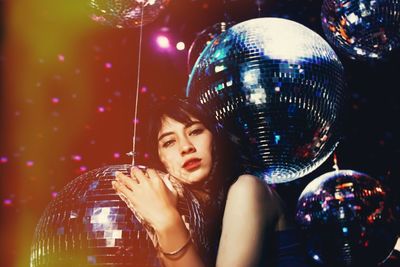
{"x":125,"y":180}
{"x":122,"y":189}
{"x":138,"y":174}
{"x":168,"y":183}
{"x":152,"y":174}
{"x":119,"y":189}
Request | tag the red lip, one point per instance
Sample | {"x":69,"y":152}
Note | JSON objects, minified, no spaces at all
{"x":191,"y":164}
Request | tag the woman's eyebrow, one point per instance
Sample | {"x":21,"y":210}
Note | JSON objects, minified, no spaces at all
{"x":164,"y":135}
{"x":191,"y":123}
{"x":187,"y":125}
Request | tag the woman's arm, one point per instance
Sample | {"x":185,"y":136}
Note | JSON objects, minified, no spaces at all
{"x":172,"y":237}
{"x":156,"y":204}
{"x":251,"y":209}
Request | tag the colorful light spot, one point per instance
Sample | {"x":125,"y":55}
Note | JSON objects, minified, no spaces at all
{"x":61,"y":58}
{"x":3,"y":159}
{"x":143,"y":89}
{"x":7,"y":202}
{"x":76,"y":157}
{"x":163,"y":41}
{"x":29,"y":163}
{"x":180,"y":46}
{"x":82,"y":168}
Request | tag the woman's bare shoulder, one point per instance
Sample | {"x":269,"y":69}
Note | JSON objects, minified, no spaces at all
{"x":250,"y":185}
{"x":252,"y":194}
{"x":248,"y":215}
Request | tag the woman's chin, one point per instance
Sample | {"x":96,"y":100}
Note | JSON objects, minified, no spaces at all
{"x":192,"y":180}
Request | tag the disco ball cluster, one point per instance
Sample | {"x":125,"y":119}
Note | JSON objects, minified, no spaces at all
{"x":362,"y":29}
{"x":88,"y":224}
{"x":126,"y":13}
{"x":348,"y":219}
{"x":277,"y":88}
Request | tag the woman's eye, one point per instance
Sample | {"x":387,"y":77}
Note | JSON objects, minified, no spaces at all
{"x":197,"y":131}
{"x":168,"y":143}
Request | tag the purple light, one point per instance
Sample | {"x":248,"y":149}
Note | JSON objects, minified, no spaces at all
{"x":3,"y":159}
{"x":29,"y":163}
{"x":76,"y":157}
{"x":143,"y":89}
{"x":82,"y":168}
{"x":117,"y":155}
{"x":108,"y":65}
{"x":7,"y":202}
{"x":163,"y":41}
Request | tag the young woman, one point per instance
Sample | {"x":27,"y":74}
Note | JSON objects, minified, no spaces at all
{"x":243,"y":213}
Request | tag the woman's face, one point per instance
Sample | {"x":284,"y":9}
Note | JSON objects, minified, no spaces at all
{"x":185,"y":149}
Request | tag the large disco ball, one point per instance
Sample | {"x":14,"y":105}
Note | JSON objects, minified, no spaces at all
{"x":88,"y":224}
{"x":277,"y":88}
{"x":126,"y":13}
{"x":362,"y":28}
{"x":202,"y":39}
{"x":347,"y":218}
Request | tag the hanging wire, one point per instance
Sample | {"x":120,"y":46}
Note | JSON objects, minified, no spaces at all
{"x":227,"y":18}
{"x":133,"y":152}
{"x":258,"y":2}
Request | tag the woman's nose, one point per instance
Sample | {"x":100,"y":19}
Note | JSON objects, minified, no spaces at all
{"x":187,"y":147}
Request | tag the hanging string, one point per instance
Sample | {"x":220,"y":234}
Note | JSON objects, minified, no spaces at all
{"x":133,"y":152}
{"x":335,"y":162}
{"x":227,"y":18}
{"x":258,"y":2}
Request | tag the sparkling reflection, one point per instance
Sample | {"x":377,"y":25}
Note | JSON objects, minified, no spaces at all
{"x":277,"y":88}
{"x":347,"y":219}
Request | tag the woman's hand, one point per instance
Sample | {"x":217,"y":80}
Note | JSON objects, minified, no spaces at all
{"x":150,"y":195}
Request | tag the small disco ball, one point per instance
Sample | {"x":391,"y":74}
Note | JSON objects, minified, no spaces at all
{"x":363,"y":29}
{"x":348,"y":220}
{"x":126,"y":13}
{"x":202,"y":39}
{"x":277,"y":88}
{"x":87,"y":224}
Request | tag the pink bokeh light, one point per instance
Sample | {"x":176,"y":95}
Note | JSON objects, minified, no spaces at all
{"x":163,"y":41}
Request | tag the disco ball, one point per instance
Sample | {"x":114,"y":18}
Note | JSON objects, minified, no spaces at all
{"x":277,"y":88}
{"x":347,"y":218}
{"x":126,"y":13}
{"x":87,"y":224}
{"x":203,"y":39}
{"x":363,"y":29}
